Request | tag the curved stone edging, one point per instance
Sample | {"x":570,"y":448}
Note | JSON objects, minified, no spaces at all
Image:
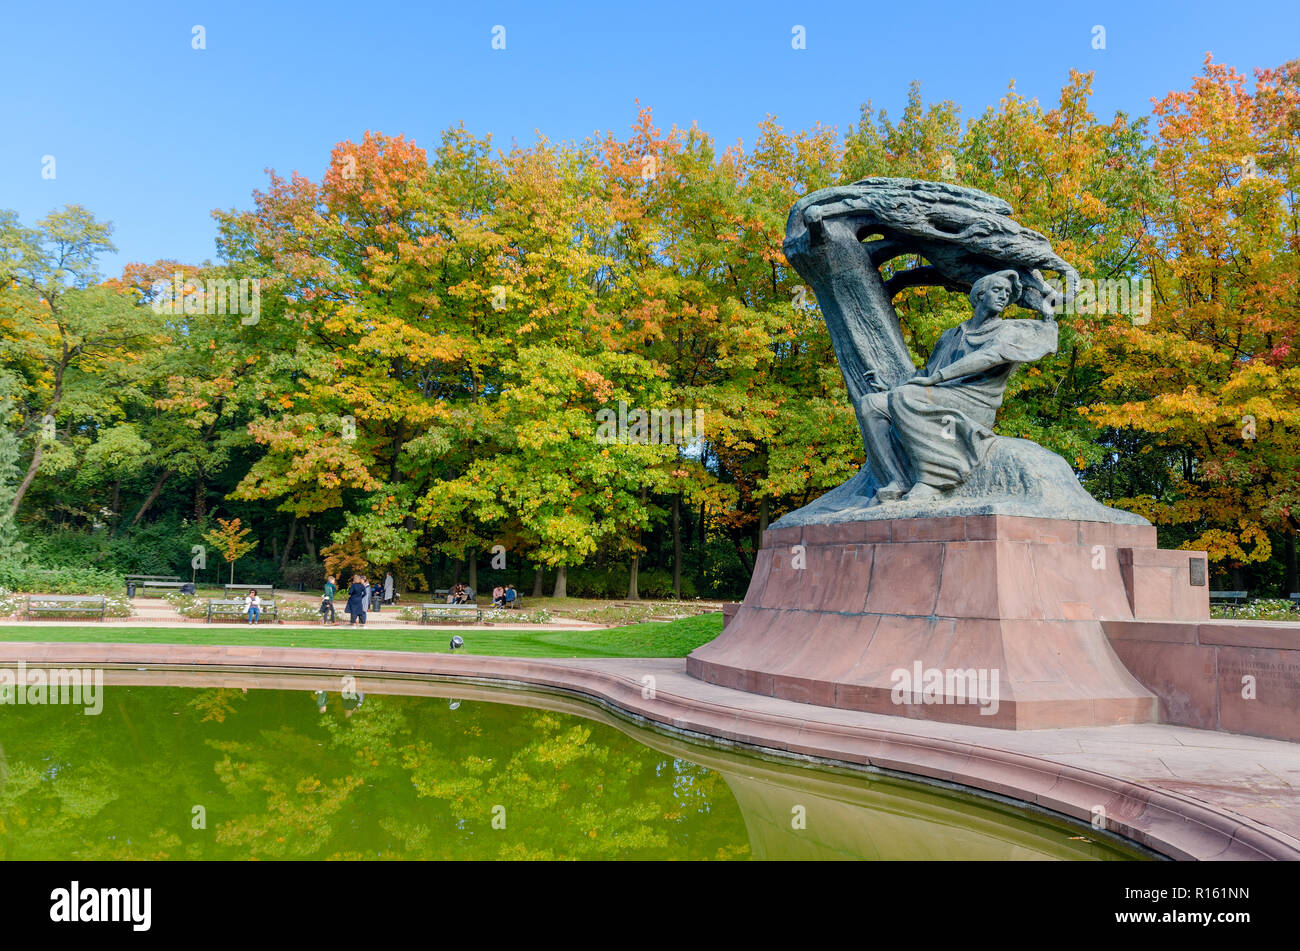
{"x":1166,"y":822}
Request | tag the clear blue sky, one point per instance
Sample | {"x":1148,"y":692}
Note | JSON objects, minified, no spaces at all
{"x":152,"y":134}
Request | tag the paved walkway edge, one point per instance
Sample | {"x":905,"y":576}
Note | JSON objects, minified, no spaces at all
{"x":1168,"y":823}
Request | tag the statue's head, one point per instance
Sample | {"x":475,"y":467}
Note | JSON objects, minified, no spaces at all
{"x":995,"y":292}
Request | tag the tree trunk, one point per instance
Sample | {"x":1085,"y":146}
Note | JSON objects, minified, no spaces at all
{"x":455,"y":576}
{"x":472,"y":558}
{"x":200,"y":496}
{"x":309,"y":540}
{"x":117,"y":497}
{"x":1292,"y":584}
{"x":27,"y":481}
{"x":288,"y":545}
{"x":561,"y":582}
{"x":537,"y":582}
{"x":632,"y":593}
{"x":762,"y":521}
{"x":153,"y":497}
{"x":677,"y":546}
{"x":430,"y":575}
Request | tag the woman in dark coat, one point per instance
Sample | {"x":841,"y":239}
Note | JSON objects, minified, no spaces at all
{"x":357,"y":601}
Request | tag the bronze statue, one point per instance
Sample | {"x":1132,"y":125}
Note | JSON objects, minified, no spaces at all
{"x":928,"y":434}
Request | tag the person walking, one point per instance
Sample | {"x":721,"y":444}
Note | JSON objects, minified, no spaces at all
{"x":356,"y":606}
{"x":253,"y":604}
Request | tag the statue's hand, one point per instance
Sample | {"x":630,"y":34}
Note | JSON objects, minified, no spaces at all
{"x":934,"y":379}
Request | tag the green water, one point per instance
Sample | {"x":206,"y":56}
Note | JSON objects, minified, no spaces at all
{"x":231,"y":772}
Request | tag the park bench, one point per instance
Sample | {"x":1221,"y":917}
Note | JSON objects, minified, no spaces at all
{"x":1228,"y":599}
{"x":513,"y":605}
{"x":458,"y":612}
{"x":239,"y":590}
{"x":145,"y":588}
{"x":235,"y":607}
{"x":1295,"y":600}
{"x":67,"y":605}
{"x":136,"y":582}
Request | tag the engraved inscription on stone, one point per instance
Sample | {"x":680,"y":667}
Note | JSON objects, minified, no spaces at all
{"x":1197,"y":568}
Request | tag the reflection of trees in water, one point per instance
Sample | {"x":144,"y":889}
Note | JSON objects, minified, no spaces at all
{"x":402,"y":777}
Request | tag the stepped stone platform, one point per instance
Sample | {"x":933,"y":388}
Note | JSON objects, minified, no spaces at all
{"x":990,"y":620}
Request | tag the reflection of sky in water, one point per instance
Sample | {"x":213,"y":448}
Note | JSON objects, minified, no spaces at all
{"x":411,"y":777}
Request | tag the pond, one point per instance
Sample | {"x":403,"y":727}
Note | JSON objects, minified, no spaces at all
{"x":189,"y":765}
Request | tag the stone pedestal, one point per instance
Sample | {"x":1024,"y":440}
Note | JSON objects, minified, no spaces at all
{"x":989,"y":620}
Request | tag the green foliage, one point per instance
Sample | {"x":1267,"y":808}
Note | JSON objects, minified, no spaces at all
{"x":442,"y":329}
{"x":306,"y":572}
{"x":33,"y":579}
{"x":1259,"y":609}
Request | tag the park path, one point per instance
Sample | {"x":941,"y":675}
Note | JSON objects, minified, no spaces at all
{"x":155,"y":613}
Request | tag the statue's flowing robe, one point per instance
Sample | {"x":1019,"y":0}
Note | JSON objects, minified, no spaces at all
{"x":946,"y":429}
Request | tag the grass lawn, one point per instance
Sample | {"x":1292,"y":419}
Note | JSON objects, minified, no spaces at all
{"x":656,"y":639}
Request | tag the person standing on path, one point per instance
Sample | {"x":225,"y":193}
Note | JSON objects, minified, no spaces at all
{"x":389,"y":587}
{"x":327,"y":603}
{"x":357,"y":600}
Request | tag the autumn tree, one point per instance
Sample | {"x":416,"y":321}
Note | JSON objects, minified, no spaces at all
{"x":231,"y":540}
{"x":1212,"y":383}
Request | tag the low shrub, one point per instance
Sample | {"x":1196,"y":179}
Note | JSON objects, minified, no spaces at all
{"x":187,"y":605}
{"x":1259,"y":609}
{"x":612,"y":583}
{"x":39,"y":580}
{"x":310,"y":574}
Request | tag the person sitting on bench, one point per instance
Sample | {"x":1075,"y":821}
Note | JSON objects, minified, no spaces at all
{"x":253,"y":604}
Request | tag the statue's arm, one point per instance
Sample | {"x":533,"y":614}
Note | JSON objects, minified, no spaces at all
{"x":969,"y":365}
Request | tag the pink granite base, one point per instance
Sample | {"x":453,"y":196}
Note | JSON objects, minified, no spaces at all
{"x":1234,"y":676}
{"x":896,"y":617}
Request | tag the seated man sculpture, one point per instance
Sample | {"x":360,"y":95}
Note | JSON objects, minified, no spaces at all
{"x":924,"y":437}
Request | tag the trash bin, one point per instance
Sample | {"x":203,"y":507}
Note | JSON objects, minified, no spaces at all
{"x":189,"y":588}
{"x":130,"y":589}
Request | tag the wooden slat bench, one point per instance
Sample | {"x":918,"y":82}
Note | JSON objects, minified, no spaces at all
{"x":233,"y":607}
{"x":67,"y":605}
{"x":145,"y":588}
{"x":239,"y":590}
{"x":1228,"y":599}
{"x":456,"y":612}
